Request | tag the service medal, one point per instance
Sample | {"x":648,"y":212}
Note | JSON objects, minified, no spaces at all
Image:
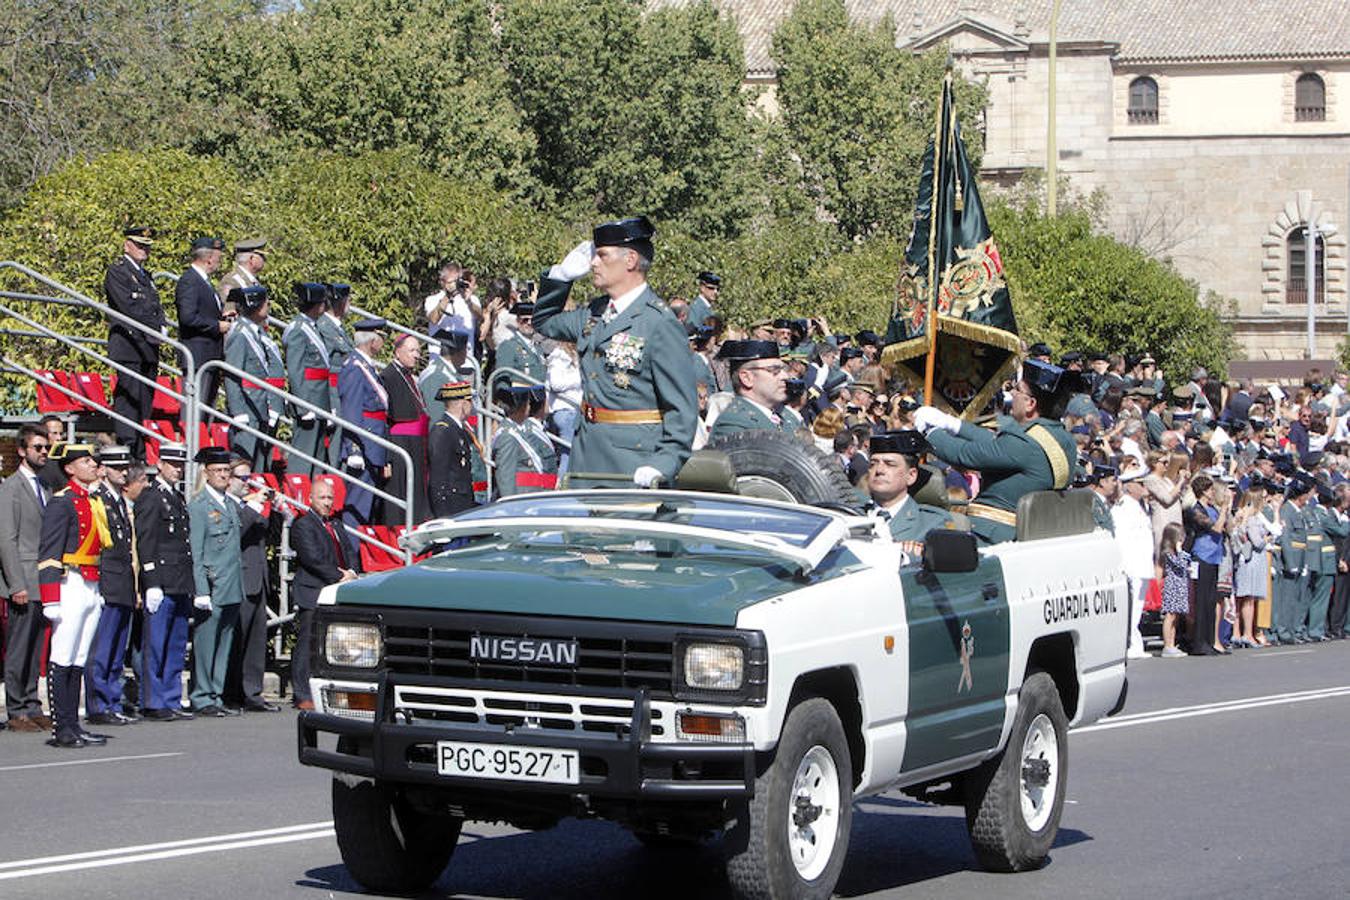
{"x":622,"y":380}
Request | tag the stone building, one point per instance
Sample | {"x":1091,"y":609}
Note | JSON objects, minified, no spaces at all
{"x":1218,"y":130}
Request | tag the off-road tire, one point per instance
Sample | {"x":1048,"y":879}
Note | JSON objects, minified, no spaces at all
{"x":1000,"y":834}
{"x":800,"y":468}
{"x":386,"y":845}
{"x":759,"y":864}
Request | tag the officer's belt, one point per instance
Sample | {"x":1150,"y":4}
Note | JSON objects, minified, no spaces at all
{"x":316,"y":374}
{"x":536,"y":480}
{"x":378,"y":415}
{"x":992,"y":513}
{"x":480,"y":485}
{"x":1297,"y":545}
{"x":274,"y":382}
{"x":596,"y":414}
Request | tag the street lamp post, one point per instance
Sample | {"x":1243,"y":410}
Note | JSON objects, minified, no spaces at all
{"x":1310,"y":280}
{"x":1051,"y":146}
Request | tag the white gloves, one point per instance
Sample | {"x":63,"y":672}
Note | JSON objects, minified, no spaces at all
{"x":307,"y":417}
{"x":576,"y":264}
{"x":241,"y":419}
{"x":52,"y":611}
{"x":646,"y":476}
{"x":356,"y":461}
{"x":202,"y":602}
{"x":929,"y":418}
{"x":272,"y":418}
{"x":153,"y":598}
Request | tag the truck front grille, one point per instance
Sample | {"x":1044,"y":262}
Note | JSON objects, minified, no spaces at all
{"x":511,"y":710}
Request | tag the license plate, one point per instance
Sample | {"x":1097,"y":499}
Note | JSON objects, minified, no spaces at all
{"x":508,"y":763}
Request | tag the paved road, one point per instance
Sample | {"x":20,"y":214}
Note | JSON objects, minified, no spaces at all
{"x":1201,"y":789}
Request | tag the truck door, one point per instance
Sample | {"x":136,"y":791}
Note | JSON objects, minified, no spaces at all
{"x":958,"y":662}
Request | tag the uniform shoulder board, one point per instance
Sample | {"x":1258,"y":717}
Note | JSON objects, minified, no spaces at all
{"x":440,"y":425}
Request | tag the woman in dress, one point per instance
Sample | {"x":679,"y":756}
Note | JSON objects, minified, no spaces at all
{"x":1175,"y":564}
{"x":1252,"y":531}
{"x":1208,"y":522}
{"x":1164,"y":484}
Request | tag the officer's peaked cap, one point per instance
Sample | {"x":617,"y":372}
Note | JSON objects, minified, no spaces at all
{"x":635,"y":232}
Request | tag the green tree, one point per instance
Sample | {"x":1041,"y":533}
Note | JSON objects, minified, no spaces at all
{"x":859,"y":113}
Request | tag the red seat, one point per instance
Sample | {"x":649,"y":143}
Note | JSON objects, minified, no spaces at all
{"x":167,"y":432}
{"x":49,"y":399}
{"x":215,"y":434}
{"x":90,"y":386}
{"x":165,"y":406}
{"x":375,"y":558}
{"x":271,"y":481}
{"x":297,"y":488}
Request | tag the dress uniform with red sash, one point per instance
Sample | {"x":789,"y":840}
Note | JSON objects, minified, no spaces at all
{"x":450,"y":487}
{"x":249,"y":348}
{"x":520,"y":463}
{"x":307,"y":372}
{"x":74,"y":534}
{"x":339,"y":344}
{"x":408,"y":428}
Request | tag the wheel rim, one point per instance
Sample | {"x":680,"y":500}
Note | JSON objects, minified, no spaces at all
{"x":762,"y":488}
{"x":813,"y":812}
{"x":1039,"y":772}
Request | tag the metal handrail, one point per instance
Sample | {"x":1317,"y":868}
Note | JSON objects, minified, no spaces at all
{"x":15,"y":332}
{"x":75,"y":395}
{"x":393,"y":326}
{"x":517,"y":373}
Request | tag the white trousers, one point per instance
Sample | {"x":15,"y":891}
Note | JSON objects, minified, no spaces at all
{"x":1136,"y":586}
{"x":80,"y":605}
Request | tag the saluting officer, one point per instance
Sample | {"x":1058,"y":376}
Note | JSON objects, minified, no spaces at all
{"x":74,"y":534}
{"x":518,"y":464}
{"x":640,"y":403}
{"x":365,"y":405}
{"x":165,"y":554}
{"x":131,"y":291}
{"x":250,"y":348}
{"x":1030,"y":451}
{"x":518,"y":352}
{"x":334,"y":334}
{"x":709,"y":287}
{"x":117,"y":585}
{"x":450,"y":478}
{"x":218,"y":579}
{"x":307,"y":372}
{"x":760,"y":378}
{"x":249,"y":258}
{"x":894,"y":476}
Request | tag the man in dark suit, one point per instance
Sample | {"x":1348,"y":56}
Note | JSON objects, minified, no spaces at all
{"x":244,"y":681}
{"x":23,"y":497}
{"x":117,"y":586}
{"x":131,"y":291}
{"x":324,"y":555}
{"x":202,"y":322}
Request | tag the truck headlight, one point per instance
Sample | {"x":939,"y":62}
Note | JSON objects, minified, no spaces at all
{"x":353,"y":645}
{"x":714,"y":667}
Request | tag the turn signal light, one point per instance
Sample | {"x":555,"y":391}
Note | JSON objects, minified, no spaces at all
{"x":355,"y":704}
{"x":704,"y":727}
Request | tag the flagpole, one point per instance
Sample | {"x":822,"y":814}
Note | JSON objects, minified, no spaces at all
{"x":939,"y":192}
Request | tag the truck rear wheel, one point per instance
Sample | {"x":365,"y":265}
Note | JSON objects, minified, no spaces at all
{"x":1015,"y":800}
{"x":386,"y":845}
{"x":789,"y":842}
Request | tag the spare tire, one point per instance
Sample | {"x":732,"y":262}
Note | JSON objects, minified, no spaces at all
{"x":778,"y":466}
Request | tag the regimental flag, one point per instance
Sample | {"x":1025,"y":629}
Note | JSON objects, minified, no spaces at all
{"x":975,"y":342}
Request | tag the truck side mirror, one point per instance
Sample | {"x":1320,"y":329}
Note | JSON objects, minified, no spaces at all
{"x":950,"y":551}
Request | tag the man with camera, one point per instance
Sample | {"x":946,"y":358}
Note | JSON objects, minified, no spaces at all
{"x":454,"y":307}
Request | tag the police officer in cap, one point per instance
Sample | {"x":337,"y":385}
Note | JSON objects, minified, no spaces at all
{"x":165,"y":554}
{"x":337,"y":297}
{"x":519,"y":465}
{"x":365,"y":406}
{"x":249,"y":258}
{"x":449,"y":481}
{"x":307,"y":373}
{"x":640,"y":402}
{"x":248,"y":347}
{"x":894,"y":475}
{"x":117,"y":586}
{"x":760,"y":379}
{"x":1291,"y":581}
{"x":131,"y":291}
{"x":1030,"y":451}
{"x":1104,"y":482}
{"x":518,"y":352}
{"x":218,"y":579}
{"x":701,"y":308}
{"x":451,"y":364}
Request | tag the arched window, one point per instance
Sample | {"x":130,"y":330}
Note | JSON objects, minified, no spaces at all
{"x":1143,"y":108}
{"x":1310,"y":99}
{"x":1296,"y":282}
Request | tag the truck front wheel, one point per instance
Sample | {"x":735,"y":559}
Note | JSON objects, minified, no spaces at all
{"x":386,"y":844}
{"x":789,"y":842}
{"x":1015,"y":800}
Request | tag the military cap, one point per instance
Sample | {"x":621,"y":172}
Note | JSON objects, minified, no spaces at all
{"x":1300,"y":484}
{"x":114,"y":455}
{"x":140,"y":234}
{"x":1324,"y":492}
{"x":1143,"y":390}
{"x":1284,"y":463}
{"x":699,"y":335}
{"x":248,"y":299}
{"x":782,"y":323}
{"x":1072,"y":356}
{"x":251,"y":245}
{"x":842,"y":340}
{"x":1183,"y":392}
{"x":524,"y":308}
{"x":850,"y":353}
{"x":452,"y":338}
{"x":309,"y":294}
{"x":1257,"y":423}
{"x":795,"y":388}
{"x":455,"y":390}
{"x":868,"y":338}
{"x":174,"y":453}
{"x":213,"y":456}
{"x":511,"y":395}
{"x":337,"y":294}
{"x":538,"y":394}
{"x":208,"y":243}
{"x":746,"y":351}
{"x":1134,"y":473}
{"x":1043,"y":376}
{"x":834,"y":384}
{"x":707,"y":277}
{"x":1040,"y":348}
{"x":635,"y":232}
{"x":369,"y":325}
{"x":907,"y":442}
{"x":1312,"y":458}
{"x":867,"y":386}
{"x":65,"y":452}
{"x":1097,"y":356}
{"x":1147,"y":360}
{"x":1101,"y":471}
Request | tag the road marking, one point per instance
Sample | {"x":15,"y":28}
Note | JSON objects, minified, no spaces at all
{"x":86,"y":762}
{"x":1279,"y":653}
{"x":117,"y":856}
{"x":1209,"y":709}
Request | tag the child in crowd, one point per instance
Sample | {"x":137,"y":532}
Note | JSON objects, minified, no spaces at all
{"x":1176,"y":565}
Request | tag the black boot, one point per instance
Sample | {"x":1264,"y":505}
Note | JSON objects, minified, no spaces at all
{"x":65,"y":709}
{"x":75,"y":680}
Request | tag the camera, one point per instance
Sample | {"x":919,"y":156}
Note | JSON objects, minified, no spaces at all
{"x":462,"y":283}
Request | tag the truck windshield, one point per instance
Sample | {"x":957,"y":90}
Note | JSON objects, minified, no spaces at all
{"x":794,"y":526}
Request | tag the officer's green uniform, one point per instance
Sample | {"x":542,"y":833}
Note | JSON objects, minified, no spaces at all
{"x":792,"y":420}
{"x":743,"y":415}
{"x":1291,"y":586}
{"x":307,"y":373}
{"x":519,"y":353}
{"x":1322,"y":565}
{"x":703,"y":373}
{"x":478,"y":472}
{"x":217,"y":570}
{"x":699,"y":310}
{"x":339,"y":345}
{"x":538,"y":436}
{"x":1154,"y":423}
{"x":520,"y":466}
{"x":438,"y":372}
{"x":913,"y":520}
{"x":640,"y":402}
{"x":1101,"y":514}
{"x":248,"y":347}
{"x":1013,"y":461}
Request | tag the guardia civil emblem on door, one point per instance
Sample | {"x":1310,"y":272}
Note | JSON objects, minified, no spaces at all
{"x":967,"y":651}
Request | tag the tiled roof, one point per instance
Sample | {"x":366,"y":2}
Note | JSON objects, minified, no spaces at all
{"x":1144,"y":29}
